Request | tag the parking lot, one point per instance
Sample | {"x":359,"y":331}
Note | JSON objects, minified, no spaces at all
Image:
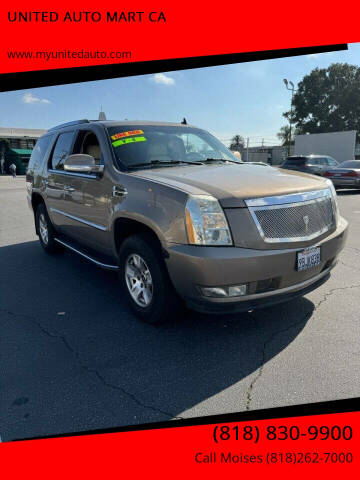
{"x":73,"y":357}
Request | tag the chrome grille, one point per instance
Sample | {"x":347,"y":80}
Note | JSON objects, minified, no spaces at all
{"x":293,"y":218}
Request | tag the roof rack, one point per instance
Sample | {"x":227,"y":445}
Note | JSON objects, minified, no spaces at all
{"x":69,"y":124}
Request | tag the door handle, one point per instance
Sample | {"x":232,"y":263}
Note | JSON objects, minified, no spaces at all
{"x":119,"y":191}
{"x":67,"y":188}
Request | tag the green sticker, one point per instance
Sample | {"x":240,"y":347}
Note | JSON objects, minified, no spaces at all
{"x":125,"y":141}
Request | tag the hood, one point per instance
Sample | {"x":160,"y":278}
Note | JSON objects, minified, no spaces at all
{"x":231,"y":184}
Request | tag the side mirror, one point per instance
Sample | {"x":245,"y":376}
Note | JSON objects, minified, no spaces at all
{"x":82,"y":163}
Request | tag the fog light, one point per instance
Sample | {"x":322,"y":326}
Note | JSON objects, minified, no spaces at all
{"x":226,"y":291}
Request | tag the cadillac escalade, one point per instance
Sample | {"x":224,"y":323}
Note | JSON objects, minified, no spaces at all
{"x":180,"y":218}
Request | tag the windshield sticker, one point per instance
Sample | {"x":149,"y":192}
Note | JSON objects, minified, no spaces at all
{"x":126,"y":134}
{"x":125,"y":141}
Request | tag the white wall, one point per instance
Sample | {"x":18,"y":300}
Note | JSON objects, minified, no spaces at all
{"x":339,"y":145}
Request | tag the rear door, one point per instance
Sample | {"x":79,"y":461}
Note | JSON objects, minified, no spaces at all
{"x":57,"y":180}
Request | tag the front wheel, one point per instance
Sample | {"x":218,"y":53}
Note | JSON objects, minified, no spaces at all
{"x":145,"y":280}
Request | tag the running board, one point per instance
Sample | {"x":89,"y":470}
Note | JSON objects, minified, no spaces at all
{"x":86,"y":256}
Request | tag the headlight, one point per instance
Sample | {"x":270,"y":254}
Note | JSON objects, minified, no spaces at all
{"x":334,"y":200}
{"x":205,"y":221}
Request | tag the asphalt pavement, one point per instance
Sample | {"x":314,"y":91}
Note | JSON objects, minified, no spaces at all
{"x":73,"y":357}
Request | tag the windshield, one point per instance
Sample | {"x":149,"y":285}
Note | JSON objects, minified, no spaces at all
{"x":152,"y":145}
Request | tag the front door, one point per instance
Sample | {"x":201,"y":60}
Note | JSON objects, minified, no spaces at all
{"x":87,"y":198}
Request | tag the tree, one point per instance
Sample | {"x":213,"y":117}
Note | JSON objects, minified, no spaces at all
{"x":327,"y":100}
{"x":237,"y":143}
{"x":284,"y":135}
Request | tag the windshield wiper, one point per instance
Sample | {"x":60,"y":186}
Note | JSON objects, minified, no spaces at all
{"x":209,"y":160}
{"x":158,"y":163}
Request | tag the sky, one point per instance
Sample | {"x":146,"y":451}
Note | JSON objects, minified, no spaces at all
{"x":246,"y":99}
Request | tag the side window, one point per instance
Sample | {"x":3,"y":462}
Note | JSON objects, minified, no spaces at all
{"x":62,"y":150}
{"x":313,"y":161}
{"x":332,"y":162}
{"x":88,"y":143}
{"x":323,"y":161}
{"x":39,"y":151}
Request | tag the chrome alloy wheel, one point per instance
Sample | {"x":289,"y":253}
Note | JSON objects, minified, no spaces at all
{"x":43,"y":227}
{"x":138,"y":280}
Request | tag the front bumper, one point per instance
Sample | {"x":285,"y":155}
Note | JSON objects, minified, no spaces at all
{"x":270,"y":274}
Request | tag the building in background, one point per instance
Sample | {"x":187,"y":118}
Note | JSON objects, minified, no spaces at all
{"x":273,"y":155}
{"x":339,"y":145}
{"x":16,"y":145}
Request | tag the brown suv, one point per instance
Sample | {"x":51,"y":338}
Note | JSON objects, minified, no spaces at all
{"x":181,"y":218}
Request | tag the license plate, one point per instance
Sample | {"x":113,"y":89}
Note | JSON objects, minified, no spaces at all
{"x":308,"y":258}
{"x":337,"y":174}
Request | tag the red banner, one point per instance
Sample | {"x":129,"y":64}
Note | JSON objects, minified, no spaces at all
{"x":63,"y":35}
{"x":321,"y":445}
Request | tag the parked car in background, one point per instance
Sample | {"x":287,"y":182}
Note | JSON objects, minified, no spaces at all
{"x":345,"y":175}
{"x":314,"y":164}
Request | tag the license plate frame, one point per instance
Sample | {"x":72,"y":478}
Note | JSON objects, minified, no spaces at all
{"x":308,"y":258}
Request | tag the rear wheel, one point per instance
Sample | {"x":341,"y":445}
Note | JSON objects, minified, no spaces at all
{"x":145,"y":280}
{"x":45,"y":230}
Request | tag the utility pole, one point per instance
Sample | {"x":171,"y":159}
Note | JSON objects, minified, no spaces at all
{"x":247,"y":149}
{"x":292,"y":89}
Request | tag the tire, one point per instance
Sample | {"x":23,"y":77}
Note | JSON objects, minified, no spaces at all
{"x":157,"y":302}
{"x":46,"y":231}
